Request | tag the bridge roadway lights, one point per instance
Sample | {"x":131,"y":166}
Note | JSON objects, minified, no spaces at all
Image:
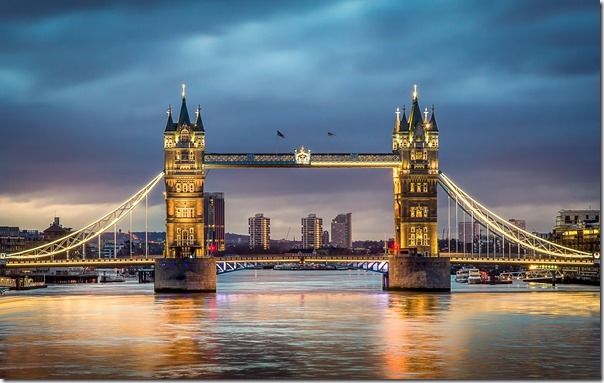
{"x":185,"y":275}
{"x":415,"y":273}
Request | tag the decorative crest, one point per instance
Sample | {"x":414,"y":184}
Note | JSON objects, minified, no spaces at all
{"x":302,"y":156}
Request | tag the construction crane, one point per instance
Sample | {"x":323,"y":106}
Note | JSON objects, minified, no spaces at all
{"x":287,"y":235}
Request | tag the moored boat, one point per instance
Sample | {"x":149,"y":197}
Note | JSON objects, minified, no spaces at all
{"x":461,"y":276}
{"x":474,"y":277}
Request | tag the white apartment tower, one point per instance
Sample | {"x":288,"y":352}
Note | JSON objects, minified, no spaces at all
{"x":312,"y":229}
{"x":260,"y":232}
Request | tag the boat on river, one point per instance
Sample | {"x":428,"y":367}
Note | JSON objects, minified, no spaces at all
{"x":111,"y":278}
{"x":474,"y":277}
{"x":461,"y":276}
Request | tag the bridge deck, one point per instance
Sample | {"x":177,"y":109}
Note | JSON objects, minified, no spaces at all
{"x":456,"y":258}
{"x":288,"y":160}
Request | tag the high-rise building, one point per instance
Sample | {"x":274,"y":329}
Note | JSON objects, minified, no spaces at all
{"x":341,"y":231}
{"x":325,"y":238}
{"x":415,"y":139}
{"x":518,"y":223}
{"x":260,"y":231}
{"x":213,"y":211}
{"x":312,"y":228}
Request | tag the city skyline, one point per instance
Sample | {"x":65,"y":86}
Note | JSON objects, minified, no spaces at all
{"x":94,"y":131}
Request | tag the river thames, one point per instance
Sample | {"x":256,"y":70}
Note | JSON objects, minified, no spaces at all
{"x":301,"y":324}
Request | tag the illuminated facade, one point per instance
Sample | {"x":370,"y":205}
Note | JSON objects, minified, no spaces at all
{"x":578,"y":229}
{"x":184,"y":144}
{"x":416,"y":180}
{"x":260,"y":232}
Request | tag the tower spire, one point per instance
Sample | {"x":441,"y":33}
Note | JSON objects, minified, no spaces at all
{"x":433,"y":125}
{"x":170,"y":122}
{"x":184,"y":113}
{"x":397,"y":120}
{"x":404,"y":122}
{"x":198,"y":122}
{"x":415,"y":116}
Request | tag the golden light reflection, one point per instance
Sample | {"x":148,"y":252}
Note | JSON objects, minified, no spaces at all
{"x":431,"y":336}
{"x":311,"y":334}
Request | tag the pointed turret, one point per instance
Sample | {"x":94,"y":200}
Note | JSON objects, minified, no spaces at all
{"x":415,"y":115}
{"x":433,"y":125}
{"x":404,"y":123}
{"x":397,"y":121}
{"x":184,"y":113}
{"x":170,"y":126}
{"x":198,"y":122}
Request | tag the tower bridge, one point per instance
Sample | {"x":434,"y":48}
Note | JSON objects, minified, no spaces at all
{"x":416,"y":177}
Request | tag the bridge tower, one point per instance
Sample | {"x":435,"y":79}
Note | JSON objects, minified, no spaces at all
{"x":185,"y":266}
{"x":184,"y":144}
{"x":415,"y":219}
{"x":415,"y":182}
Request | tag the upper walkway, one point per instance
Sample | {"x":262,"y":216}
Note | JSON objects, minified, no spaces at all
{"x":301,"y":159}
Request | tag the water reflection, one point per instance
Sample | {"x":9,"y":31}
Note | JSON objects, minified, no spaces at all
{"x":297,"y":325}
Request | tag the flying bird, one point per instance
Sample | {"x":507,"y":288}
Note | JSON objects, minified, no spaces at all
{"x":330,"y":134}
{"x":280,"y":134}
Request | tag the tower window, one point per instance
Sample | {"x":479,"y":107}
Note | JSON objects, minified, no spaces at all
{"x":419,"y":237}
{"x":184,"y":212}
{"x":425,"y":187}
{"x":412,"y":187}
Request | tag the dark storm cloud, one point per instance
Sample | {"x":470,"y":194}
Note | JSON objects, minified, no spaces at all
{"x":84,"y":87}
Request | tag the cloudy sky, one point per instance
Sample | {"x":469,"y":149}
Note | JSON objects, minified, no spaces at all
{"x":84,"y":87}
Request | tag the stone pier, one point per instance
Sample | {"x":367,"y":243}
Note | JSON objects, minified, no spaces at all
{"x":185,"y":275}
{"x":415,"y":273}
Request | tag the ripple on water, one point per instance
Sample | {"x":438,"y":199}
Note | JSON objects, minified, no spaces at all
{"x":305,"y":324}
